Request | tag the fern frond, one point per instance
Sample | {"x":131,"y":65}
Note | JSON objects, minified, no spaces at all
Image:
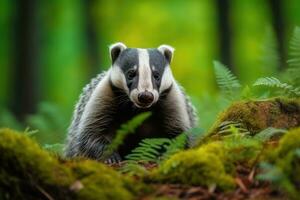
{"x":270,"y":56}
{"x":294,"y":61}
{"x":177,"y":144}
{"x":232,"y":128}
{"x":276,"y":175}
{"x":157,"y":149}
{"x":275,"y":83}
{"x":133,"y":168}
{"x":226,"y":80}
{"x":125,"y":129}
{"x":268,"y":133}
{"x":149,"y":150}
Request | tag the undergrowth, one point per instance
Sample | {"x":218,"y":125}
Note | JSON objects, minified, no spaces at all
{"x":238,"y":143}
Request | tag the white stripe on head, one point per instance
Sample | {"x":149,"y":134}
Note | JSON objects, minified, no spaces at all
{"x":118,"y":79}
{"x":166,"y":80}
{"x":145,"y":78}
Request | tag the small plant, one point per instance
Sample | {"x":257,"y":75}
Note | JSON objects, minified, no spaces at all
{"x":231,"y":127}
{"x":284,"y":88}
{"x":227,"y":81}
{"x":294,"y":61}
{"x":126,"y":129}
{"x":154,"y":150}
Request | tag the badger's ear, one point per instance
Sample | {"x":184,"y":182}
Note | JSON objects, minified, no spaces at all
{"x":115,"y":50}
{"x":167,"y":51}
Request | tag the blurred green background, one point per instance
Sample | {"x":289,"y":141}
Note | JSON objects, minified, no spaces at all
{"x":50,"y":49}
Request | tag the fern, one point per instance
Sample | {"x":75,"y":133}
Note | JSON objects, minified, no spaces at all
{"x":157,"y":149}
{"x":176,"y":144}
{"x":269,"y":133}
{"x":152,"y":150}
{"x":276,"y":175}
{"x":125,"y":129}
{"x":226,"y":80}
{"x":133,"y":168}
{"x":270,"y":55}
{"x":275,"y":83}
{"x":232,"y":128}
{"x":294,"y":61}
{"x":149,"y":150}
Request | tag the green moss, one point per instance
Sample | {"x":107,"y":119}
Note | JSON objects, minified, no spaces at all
{"x":95,"y":176}
{"x":241,"y":150}
{"x":203,"y":166}
{"x":289,"y":142}
{"x":286,"y":160}
{"x":286,"y":156}
{"x":258,"y":115}
{"x":28,"y":172}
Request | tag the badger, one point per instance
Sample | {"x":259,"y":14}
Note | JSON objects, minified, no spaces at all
{"x":139,"y":80}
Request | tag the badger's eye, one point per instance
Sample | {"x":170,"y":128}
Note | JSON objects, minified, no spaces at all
{"x":156,"y":75}
{"x":131,"y":74}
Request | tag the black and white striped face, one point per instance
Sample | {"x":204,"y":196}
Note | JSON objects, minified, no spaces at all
{"x":142,"y":73}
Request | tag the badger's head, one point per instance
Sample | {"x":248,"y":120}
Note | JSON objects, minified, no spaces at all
{"x":143,"y":74}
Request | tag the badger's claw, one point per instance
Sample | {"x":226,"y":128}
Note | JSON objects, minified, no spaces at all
{"x":114,"y":159}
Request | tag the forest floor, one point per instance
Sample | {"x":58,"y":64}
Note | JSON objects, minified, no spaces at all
{"x":251,"y":152}
{"x":247,"y":188}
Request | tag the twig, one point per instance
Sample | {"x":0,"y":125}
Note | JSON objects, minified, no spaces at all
{"x":48,"y":196}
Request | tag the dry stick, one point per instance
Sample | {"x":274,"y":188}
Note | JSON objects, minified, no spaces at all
{"x":48,"y":196}
{"x":241,"y":185}
{"x":252,"y":173}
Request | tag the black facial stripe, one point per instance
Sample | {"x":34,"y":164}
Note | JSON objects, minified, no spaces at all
{"x":128,"y":58}
{"x":126,"y":61}
{"x":158,"y":61}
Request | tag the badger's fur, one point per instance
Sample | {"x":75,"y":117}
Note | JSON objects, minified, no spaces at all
{"x":139,"y":80}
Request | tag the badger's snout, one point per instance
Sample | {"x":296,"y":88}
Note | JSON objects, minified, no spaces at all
{"x":145,"y":98}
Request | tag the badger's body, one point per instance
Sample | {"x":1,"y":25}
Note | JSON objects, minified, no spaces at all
{"x":139,"y":80}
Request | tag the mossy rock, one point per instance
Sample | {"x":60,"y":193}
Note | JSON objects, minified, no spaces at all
{"x":259,"y":115}
{"x":285,"y":158}
{"x":28,"y":172}
{"x":287,"y":155}
{"x":203,"y":166}
{"x":289,"y":142}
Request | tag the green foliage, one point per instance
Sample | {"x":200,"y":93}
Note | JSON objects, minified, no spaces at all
{"x":282,"y":166}
{"x":125,"y":129}
{"x":55,"y":148}
{"x":153,"y":150}
{"x":157,"y":149}
{"x":269,"y":133}
{"x":208,"y":107}
{"x":227,"y":81}
{"x":7,"y":119}
{"x":231,"y":127}
{"x":270,"y":59}
{"x":277,"y":176}
{"x":177,"y":144}
{"x":49,"y":123}
{"x":149,"y":150}
{"x":134,"y":168}
{"x":272,"y":82}
{"x":294,"y":62}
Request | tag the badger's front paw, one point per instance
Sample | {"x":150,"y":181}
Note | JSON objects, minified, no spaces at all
{"x":113,"y":159}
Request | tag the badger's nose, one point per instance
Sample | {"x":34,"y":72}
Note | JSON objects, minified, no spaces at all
{"x":145,"y":97}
